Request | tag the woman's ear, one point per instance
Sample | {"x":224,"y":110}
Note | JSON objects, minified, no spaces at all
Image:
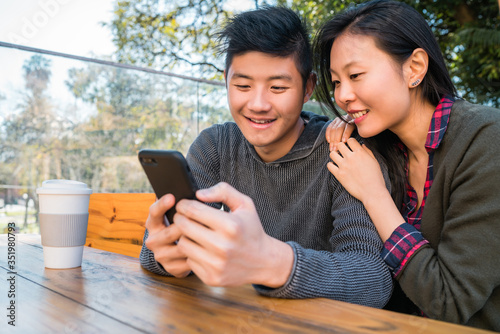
{"x":418,"y":63}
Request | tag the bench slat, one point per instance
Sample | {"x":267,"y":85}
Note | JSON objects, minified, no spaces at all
{"x":116,"y":221}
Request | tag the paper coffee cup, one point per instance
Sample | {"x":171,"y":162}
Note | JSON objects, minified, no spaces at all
{"x":63,"y":214}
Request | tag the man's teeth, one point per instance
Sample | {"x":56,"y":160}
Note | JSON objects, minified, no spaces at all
{"x":261,"y":121}
{"x":359,"y":114}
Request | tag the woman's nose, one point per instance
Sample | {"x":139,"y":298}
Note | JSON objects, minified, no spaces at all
{"x":344,"y":94}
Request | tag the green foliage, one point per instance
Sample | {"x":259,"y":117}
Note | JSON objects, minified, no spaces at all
{"x":168,"y":34}
{"x":468,"y":33}
{"x":178,"y":34}
{"x":134,"y":111}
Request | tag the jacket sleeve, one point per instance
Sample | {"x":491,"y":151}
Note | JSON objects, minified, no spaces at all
{"x":452,"y":277}
{"x":352,"y":271}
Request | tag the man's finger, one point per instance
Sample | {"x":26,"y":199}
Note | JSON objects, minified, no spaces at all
{"x":157,"y":212}
{"x":224,"y":193}
{"x":164,"y":236}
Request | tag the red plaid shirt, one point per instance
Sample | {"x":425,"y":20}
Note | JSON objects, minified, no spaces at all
{"x":406,"y":238}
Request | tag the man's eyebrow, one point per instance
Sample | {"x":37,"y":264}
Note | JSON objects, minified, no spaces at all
{"x":241,"y":75}
{"x":287,"y":77}
{"x":281,"y":77}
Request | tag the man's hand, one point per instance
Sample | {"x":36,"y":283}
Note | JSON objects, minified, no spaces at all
{"x":162,"y":239}
{"x":229,"y":249}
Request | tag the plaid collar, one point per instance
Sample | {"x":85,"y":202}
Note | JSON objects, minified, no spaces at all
{"x":439,"y":123}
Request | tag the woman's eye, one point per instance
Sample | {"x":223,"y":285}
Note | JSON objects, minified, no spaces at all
{"x":354,"y":76}
{"x":335,"y":83}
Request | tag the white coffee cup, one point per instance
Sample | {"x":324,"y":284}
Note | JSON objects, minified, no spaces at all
{"x":63,"y":214}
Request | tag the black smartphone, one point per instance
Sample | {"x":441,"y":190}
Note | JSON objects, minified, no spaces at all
{"x":168,"y":173}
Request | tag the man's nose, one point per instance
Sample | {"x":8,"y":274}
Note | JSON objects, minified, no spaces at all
{"x":259,"y":101}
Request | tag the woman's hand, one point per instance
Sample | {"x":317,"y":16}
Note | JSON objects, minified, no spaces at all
{"x":338,"y":131}
{"x":358,"y":170}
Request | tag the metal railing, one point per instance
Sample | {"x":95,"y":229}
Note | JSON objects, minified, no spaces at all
{"x":71,"y":117}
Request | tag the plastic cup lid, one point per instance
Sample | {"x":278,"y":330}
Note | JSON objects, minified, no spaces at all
{"x":63,"y":187}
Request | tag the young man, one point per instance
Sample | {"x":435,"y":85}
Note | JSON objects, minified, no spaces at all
{"x":288,"y":226}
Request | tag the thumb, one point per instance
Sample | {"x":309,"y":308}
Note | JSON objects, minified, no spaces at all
{"x":224,"y":193}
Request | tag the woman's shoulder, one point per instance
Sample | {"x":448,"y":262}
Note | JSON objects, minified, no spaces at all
{"x":477,"y":112}
{"x":466,"y":117}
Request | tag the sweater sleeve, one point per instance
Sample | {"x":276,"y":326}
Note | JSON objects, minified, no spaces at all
{"x":203,"y":162}
{"x":352,"y":271}
{"x":453,"y":277}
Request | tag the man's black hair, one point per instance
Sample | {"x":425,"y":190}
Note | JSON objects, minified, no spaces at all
{"x":276,"y":31}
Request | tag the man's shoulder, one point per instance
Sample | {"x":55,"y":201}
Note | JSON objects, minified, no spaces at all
{"x":219,"y":135}
{"x":309,"y":117}
{"x":222,"y":130}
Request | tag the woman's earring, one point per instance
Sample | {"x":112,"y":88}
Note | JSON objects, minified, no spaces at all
{"x":415,"y":83}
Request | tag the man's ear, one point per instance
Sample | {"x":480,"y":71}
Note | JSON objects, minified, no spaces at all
{"x":310,"y":85}
{"x":417,"y":66}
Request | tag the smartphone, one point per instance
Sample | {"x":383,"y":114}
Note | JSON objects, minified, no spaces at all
{"x":168,"y":173}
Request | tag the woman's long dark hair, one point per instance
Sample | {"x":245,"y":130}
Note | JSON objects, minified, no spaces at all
{"x":398,"y":30}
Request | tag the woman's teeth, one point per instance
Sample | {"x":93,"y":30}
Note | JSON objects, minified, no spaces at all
{"x":359,"y":114}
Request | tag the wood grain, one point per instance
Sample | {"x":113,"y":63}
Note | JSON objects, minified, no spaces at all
{"x":116,"y":221}
{"x":44,"y":311}
{"x":116,"y":287}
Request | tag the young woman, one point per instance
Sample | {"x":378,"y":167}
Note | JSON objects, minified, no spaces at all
{"x":441,"y":221}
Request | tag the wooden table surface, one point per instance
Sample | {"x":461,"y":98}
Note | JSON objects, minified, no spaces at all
{"x":111,"y":293}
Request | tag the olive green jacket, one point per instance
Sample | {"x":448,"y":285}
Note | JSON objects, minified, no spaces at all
{"x":456,"y":277}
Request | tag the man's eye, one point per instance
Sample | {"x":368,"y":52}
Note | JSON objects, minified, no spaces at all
{"x":278,"y":88}
{"x":242,"y":86}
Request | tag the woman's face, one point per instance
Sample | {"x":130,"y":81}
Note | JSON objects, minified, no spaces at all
{"x":369,"y":84}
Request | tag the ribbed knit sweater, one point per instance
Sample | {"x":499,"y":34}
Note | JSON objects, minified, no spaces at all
{"x":336,"y":246}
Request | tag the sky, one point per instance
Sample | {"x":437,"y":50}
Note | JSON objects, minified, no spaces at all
{"x":68,"y":26}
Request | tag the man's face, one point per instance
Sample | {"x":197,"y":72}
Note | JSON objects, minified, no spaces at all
{"x":265,"y":96}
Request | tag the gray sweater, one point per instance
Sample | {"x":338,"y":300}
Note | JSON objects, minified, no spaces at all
{"x":298,"y":201}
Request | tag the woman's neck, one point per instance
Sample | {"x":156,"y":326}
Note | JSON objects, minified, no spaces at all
{"x":413,"y":132}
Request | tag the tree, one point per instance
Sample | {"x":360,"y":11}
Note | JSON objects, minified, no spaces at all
{"x":179,"y":34}
{"x":30,"y":133}
{"x":134,"y":110}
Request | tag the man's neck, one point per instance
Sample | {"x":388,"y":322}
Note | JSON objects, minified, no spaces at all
{"x":269,"y":153}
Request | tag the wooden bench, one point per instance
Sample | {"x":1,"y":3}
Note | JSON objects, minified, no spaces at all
{"x":116,"y":221}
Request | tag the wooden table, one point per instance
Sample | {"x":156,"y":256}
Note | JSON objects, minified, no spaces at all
{"x":111,"y":293}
